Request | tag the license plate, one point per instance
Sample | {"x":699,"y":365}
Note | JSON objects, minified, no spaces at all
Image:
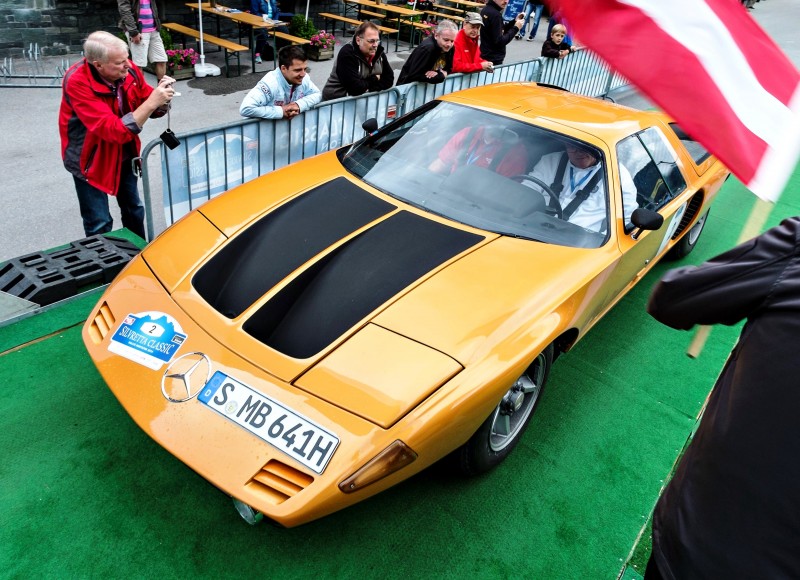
{"x":288,"y":431}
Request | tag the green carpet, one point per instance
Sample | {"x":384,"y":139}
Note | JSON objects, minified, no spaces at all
{"x":87,"y":494}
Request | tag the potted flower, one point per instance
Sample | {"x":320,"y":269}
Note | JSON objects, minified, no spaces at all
{"x":321,"y":46}
{"x":180,"y":62}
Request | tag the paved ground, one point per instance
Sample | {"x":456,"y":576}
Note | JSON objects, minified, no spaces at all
{"x":40,"y":210}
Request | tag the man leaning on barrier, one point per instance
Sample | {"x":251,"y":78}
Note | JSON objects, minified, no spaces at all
{"x":285,"y":92}
{"x":361,"y":66}
{"x":105,"y":102}
{"x":466,"y":52}
{"x":432,"y":60}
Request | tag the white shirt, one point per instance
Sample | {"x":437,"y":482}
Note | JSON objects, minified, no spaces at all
{"x":265,"y":100}
{"x":593,"y":212}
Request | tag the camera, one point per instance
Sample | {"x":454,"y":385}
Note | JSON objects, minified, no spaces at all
{"x":169,"y":139}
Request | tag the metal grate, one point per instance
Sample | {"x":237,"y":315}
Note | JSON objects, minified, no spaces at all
{"x":279,"y":482}
{"x":102,"y":324}
{"x":691,"y":212}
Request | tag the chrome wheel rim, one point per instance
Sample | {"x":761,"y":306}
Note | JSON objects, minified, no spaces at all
{"x":696,"y":230}
{"x":517,"y":405}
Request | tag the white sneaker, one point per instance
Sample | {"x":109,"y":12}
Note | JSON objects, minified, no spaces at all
{"x":529,"y":39}
{"x":258,"y":59}
{"x":519,"y":37}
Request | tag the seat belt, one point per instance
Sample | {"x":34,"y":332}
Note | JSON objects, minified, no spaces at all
{"x":499,"y":156}
{"x":471,"y":142}
{"x":582,"y":194}
{"x":558,"y":180}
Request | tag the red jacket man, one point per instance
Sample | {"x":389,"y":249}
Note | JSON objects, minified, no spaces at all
{"x":104,"y":105}
{"x":466,"y":52}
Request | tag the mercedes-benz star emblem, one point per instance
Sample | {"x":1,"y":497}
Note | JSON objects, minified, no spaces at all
{"x":185,"y":377}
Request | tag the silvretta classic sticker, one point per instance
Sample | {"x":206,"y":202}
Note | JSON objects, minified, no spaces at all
{"x":148,"y":338}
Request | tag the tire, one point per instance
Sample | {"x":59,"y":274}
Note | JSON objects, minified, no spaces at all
{"x":687,"y":243}
{"x":502,"y":430}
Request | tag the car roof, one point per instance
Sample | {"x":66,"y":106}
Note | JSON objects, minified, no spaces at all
{"x":604,"y":119}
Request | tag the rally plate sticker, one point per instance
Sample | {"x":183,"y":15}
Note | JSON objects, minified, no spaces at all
{"x":287,"y":431}
{"x":148,"y":338}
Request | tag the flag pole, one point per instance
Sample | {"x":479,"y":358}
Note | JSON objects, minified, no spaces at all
{"x":752,"y":227}
{"x":203,"y":69}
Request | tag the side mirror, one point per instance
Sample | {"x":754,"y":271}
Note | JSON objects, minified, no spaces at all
{"x":645,"y":219}
{"x":370,"y":126}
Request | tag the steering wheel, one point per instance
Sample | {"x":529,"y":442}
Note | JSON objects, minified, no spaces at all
{"x":553,"y":203}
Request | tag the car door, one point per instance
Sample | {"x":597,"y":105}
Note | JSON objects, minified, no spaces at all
{"x":648,"y":160}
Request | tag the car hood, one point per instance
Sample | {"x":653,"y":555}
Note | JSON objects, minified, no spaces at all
{"x":354,"y":297}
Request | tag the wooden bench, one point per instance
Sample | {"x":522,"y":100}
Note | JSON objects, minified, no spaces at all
{"x":421,"y":26}
{"x":377,"y":15}
{"x":336,"y":18}
{"x":226,"y":45}
{"x":288,"y":37}
{"x":276,"y":34}
{"x":345,"y":20}
{"x":449,"y":8}
{"x":440,"y":16}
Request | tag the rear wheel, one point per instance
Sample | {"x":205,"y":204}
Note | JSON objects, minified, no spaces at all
{"x":687,"y":243}
{"x":502,"y":430}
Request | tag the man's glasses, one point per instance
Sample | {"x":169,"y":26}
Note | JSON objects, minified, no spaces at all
{"x":370,"y":40}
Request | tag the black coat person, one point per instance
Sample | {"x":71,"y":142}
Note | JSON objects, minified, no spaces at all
{"x":496,"y":34}
{"x":732,"y":510}
{"x":360,"y":67}
{"x":430,"y":57}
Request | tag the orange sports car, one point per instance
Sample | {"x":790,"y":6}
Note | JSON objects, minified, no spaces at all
{"x":323,"y":332}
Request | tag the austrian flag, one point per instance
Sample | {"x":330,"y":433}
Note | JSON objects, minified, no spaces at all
{"x":711,"y":67}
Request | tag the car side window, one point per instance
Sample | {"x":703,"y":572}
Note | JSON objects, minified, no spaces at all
{"x":652,"y":164}
{"x":665,"y":158}
{"x":696,"y":150}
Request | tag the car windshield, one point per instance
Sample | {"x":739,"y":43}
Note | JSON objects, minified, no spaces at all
{"x":487,"y":171}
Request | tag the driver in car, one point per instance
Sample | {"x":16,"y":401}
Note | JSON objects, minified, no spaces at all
{"x":492,"y":147}
{"x":577,"y":178}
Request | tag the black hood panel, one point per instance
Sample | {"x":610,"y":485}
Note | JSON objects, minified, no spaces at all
{"x":282,"y":241}
{"x":326,"y":300}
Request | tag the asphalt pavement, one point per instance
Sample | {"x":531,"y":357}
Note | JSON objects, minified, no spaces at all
{"x":40,"y":208}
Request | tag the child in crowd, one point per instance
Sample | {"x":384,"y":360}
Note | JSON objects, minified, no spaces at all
{"x":556,"y":46}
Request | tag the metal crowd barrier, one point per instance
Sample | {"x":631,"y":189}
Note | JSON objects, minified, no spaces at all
{"x":417,"y":94}
{"x":582,"y":72}
{"x":213,"y":160}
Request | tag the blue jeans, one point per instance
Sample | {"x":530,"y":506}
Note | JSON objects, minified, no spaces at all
{"x":94,"y":204}
{"x":537,"y":14}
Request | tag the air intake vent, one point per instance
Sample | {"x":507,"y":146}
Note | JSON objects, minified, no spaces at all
{"x":102,"y":324}
{"x":278,"y":482}
{"x":691,"y":212}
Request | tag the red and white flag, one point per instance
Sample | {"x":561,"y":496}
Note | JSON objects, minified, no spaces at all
{"x":712,"y":68}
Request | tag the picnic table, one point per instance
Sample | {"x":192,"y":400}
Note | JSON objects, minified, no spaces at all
{"x":251,"y":21}
{"x":399,"y":11}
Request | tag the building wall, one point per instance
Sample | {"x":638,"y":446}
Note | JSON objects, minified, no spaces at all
{"x":59,"y":26}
